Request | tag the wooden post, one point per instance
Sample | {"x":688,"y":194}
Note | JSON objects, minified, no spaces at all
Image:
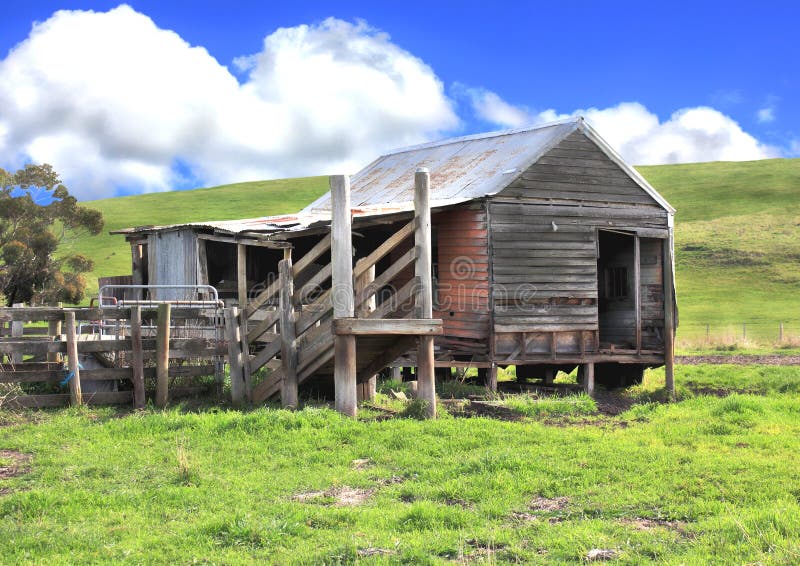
{"x":491,"y":378}
{"x":54,"y":332}
{"x":75,"y":395}
{"x":137,"y":358}
{"x":637,"y":290}
{"x":162,"y":354}
{"x":289,"y":394}
{"x":137,"y":269}
{"x":344,"y":372}
{"x":744,"y":331}
{"x":366,"y":391}
{"x":241,"y":275}
{"x":232,"y":336}
{"x":669,"y":320}
{"x":426,"y":381}
{"x":780,"y":333}
{"x":588,"y":378}
{"x":17,"y":331}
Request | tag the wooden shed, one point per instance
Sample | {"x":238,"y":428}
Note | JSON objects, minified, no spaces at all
{"x":549,"y":252}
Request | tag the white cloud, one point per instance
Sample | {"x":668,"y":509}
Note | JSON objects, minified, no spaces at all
{"x":112,"y":100}
{"x":766,"y":115}
{"x":689,"y":135}
{"x":488,"y":106}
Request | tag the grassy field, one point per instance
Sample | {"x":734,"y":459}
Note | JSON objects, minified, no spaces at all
{"x":709,"y":479}
{"x":737,"y":244}
{"x":737,"y":238}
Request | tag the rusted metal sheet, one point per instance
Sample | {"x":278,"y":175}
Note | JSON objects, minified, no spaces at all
{"x":462,"y":168}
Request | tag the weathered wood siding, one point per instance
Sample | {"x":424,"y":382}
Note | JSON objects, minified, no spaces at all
{"x":172,"y":260}
{"x":462,"y":290}
{"x":652,"y":293}
{"x":544,"y":247}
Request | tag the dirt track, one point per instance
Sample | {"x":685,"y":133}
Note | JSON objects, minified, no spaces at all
{"x":739,"y":360}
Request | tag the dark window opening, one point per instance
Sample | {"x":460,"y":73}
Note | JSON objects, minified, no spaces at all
{"x":616,"y":282}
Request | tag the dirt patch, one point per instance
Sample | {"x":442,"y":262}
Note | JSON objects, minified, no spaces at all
{"x":343,"y":496}
{"x":17,"y":467}
{"x":548,"y":505}
{"x":523,"y":517}
{"x":611,"y":403}
{"x":740,"y":360}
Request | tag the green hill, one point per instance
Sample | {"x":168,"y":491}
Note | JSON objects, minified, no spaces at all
{"x":737,"y":235}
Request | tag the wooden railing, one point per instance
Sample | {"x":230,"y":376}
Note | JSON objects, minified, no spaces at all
{"x":130,"y":344}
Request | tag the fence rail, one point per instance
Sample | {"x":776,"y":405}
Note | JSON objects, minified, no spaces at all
{"x":105,"y":354}
{"x":758,"y":332}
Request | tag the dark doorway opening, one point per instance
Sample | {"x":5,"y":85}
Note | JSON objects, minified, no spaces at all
{"x":615,"y":287}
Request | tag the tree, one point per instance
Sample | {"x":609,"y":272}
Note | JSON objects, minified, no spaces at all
{"x":37,"y":214}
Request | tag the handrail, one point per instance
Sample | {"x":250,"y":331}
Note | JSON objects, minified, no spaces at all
{"x":211,"y":289}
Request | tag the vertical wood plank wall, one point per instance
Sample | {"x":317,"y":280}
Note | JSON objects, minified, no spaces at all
{"x":172,"y":260}
{"x":544,"y":257}
{"x":462,"y":298}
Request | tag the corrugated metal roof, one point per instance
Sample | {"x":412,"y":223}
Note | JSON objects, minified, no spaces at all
{"x":289,"y":222}
{"x":462,"y":169}
{"x":465,"y":168}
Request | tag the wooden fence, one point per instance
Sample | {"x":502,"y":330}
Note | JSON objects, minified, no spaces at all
{"x":106,"y":355}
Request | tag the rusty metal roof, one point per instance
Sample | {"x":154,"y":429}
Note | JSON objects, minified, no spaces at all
{"x":462,"y":168}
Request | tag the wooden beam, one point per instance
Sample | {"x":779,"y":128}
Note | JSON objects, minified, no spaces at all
{"x":162,"y":354}
{"x":75,"y":394}
{"x":137,"y":358}
{"x":54,"y":331}
{"x":669,"y":319}
{"x":289,"y":390}
{"x":241,"y":275}
{"x":342,"y":297}
{"x":235,"y":361}
{"x":637,"y":290}
{"x":17,"y":331}
{"x":366,"y":387}
{"x":387,"y":326}
{"x":274,"y":244}
{"x":426,"y":378}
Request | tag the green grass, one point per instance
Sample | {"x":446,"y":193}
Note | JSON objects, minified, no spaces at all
{"x":737,"y":246}
{"x":707,"y":479}
{"x":737,"y":238}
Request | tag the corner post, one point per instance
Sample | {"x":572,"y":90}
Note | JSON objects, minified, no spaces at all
{"x":75,"y":394}
{"x":344,"y":372}
{"x":289,"y":390}
{"x":669,"y":319}
{"x":426,"y":381}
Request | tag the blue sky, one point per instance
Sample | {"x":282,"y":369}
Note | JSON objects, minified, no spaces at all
{"x":672,"y":82}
